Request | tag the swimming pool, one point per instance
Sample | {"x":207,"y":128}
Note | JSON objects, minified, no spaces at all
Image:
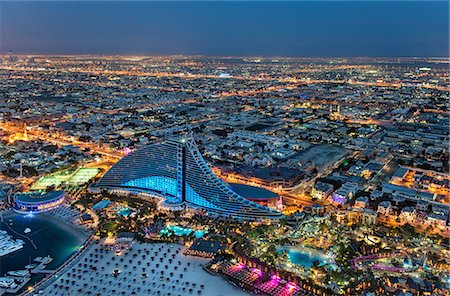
{"x":125,"y":212}
{"x":306,"y":257}
{"x":180,"y":231}
{"x":101,"y":204}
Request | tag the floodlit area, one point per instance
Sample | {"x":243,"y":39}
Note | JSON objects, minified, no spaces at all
{"x":68,"y":177}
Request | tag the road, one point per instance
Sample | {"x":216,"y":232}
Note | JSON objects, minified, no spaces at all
{"x":42,"y":135}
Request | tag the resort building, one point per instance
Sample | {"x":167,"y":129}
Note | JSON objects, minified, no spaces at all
{"x":38,"y":201}
{"x":204,"y":248}
{"x":175,"y":171}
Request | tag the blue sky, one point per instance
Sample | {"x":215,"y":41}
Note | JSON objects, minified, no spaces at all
{"x":305,"y":28}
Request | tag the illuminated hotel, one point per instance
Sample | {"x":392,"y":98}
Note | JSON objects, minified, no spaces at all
{"x":38,"y":201}
{"x":176,"y":170}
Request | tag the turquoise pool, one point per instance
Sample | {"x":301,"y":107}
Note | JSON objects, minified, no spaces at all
{"x":306,"y":257}
{"x":124,"y":212}
{"x":180,"y":231}
{"x":101,"y":205}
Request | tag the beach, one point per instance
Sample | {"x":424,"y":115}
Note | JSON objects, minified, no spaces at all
{"x":143,"y":269}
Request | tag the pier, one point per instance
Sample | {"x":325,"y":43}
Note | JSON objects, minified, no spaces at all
{"x":43,"y":271}
{"x":23,"y":282}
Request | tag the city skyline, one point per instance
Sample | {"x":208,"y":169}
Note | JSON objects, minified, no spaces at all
{"x":297,"y":29}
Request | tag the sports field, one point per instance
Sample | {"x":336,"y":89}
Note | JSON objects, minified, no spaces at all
{"x":68,"y":177}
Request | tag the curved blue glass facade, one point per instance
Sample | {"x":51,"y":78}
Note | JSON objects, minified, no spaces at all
{"x":176,"y":170}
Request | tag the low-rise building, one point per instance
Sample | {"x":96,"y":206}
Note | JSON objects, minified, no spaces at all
{"x":399,"y":174}
{"x":384,"y":208}
{"x":361,"y":202}
{"x":322,"y":190}
{"x":407,"y":214}
{"x":345,"y":193}
{"x":422,"y":205}
{"x":406,"y":192}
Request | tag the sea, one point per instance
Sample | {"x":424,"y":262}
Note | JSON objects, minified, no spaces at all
{"x":47,"y":237}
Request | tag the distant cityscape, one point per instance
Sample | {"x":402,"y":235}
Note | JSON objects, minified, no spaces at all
{"x":194,"y":175}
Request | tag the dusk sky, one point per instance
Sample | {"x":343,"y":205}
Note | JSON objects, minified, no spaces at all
{"x":227,"y":28}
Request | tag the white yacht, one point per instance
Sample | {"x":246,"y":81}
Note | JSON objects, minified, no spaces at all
{"x":7,"y":282}
{"x":19,"y":273}
{"x":9,"y":246}
{"x":30,"y":266}
{"x":45,"y":260}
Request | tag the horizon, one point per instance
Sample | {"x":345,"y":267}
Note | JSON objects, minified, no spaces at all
{"x":219,"y":56}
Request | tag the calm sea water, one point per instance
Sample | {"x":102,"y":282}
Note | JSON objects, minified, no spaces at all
{"x":48,"y":236}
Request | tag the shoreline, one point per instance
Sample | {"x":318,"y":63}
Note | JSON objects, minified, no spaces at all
{"x":82,"y":234}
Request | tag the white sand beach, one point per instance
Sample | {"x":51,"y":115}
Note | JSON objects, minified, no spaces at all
{"x":145,"y":269}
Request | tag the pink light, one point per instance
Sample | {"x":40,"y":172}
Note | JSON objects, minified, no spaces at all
{"x":275,"y":279}
{"x":291,"y":286}
{"x":126,"y":150}
{"x":257,"y":271}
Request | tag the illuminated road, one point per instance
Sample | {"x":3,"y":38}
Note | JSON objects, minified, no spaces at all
{"x":32,"y":134}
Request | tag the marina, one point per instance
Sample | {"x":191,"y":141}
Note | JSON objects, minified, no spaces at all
{"x":14,"y":281}
{"x":47,"y":243}
{"x":8,"y":244}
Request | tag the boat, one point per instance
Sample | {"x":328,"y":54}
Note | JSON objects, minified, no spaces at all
{"x":9,"y":246}
{"x":45,"y":260}
{"x":19,"y":273}
{"x":30,"y":266}
{"x":7,"y":282}
{"x":27,"y":230}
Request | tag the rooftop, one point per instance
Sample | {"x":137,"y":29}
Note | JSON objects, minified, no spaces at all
{"x":252,"y":192}
{"x":39,"y":196}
